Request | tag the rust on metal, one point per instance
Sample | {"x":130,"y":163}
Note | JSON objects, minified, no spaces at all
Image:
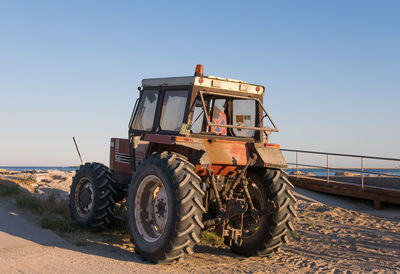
{"x":270,"y":155}
{"x":227,"y":153}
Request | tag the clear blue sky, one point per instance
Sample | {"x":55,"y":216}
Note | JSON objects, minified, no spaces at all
{"x":331,"y":68}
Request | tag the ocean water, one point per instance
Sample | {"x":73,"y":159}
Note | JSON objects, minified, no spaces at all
{"x":315,"y":171}
{"x":38,"y":168}
{"x":323,"y":172}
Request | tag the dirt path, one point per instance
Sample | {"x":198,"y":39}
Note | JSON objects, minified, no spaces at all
{"x":27,"y":248}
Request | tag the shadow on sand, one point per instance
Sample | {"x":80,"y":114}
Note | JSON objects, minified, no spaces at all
{"x":22,"y":229}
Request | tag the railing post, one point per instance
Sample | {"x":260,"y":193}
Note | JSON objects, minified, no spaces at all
{"x":327,"y":168}
{"x":362,"y":172}
{"x":297,"y":164}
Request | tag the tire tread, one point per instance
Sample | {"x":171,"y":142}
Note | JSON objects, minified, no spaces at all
{"x":100,"y":177}
{"x":189,"y":197}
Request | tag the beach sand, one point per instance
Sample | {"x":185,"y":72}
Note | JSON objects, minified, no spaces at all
{"x":334,"y":234}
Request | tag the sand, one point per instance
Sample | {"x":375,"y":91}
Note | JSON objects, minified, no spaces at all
{"x":334,"y":235}
{"x":42,"y":183}
{"x":328,"y":239}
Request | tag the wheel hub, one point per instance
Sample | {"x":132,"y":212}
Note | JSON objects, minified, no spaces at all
{"x":151,"y":208}
{"x":160,"y":208}
{"x":84,"y":197}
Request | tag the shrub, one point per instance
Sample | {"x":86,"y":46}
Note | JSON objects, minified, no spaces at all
{"x":8,"y":189}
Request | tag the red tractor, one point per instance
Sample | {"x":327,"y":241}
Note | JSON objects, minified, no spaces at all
{"x":197,"y":158}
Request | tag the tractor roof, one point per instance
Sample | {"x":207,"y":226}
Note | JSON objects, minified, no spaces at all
{"x":206,"y":82}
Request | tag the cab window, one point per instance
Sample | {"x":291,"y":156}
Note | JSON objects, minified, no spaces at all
{"x":144,"y":119}
{"x":197,"y":117}
{"x":224,"y":111}
{"x":244,"y":115}
{"x":173,"y":109}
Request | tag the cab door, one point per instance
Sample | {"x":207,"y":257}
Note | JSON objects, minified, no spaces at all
{"x":142,"y":122}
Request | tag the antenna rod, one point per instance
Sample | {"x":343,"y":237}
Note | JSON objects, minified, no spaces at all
{"x":79,"y":152}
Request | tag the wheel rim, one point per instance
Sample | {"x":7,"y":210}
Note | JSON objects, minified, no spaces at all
{"x":84,"y":197}
{"x":151,"y":208}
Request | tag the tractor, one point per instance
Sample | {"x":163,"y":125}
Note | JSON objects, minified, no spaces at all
{"x":197,"y":158}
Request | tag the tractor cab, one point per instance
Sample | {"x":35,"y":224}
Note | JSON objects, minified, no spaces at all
{"x":201,"y":106}
{"x":212,"y":121}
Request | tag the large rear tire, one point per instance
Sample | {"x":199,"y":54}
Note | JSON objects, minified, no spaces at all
{"x":91,"y":199}
{"x":265,"y":235}
{"x":165,"y":208}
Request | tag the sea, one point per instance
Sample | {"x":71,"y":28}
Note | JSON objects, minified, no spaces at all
{"x":315,"y":171}
{"x":323,"y":172}
{"x":38,"y":168}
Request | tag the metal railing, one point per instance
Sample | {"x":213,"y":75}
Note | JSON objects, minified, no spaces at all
{"x":328,"y":168}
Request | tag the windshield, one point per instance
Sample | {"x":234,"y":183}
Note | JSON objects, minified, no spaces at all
{"x":228,"y":116}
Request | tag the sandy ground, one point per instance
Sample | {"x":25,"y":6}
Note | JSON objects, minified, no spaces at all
{"x":334,"y":235}
{"x":329,"y":239}
{"x":42,"y":183}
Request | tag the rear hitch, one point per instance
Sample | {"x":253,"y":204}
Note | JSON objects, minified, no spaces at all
{"x":251,"y":161}
{"x":234,"y":207}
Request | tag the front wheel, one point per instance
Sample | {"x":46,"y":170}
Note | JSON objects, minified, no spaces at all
{"x":265,"y":234}
{"x":165,"y":207}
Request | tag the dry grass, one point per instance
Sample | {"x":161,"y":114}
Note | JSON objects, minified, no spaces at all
{"x":8,"y":189}
{"x":56,"y":216}
{"x":211,"y":238}
{"x":53,"y":215}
